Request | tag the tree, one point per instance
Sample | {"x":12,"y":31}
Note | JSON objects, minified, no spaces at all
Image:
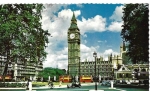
{"x":125,"y":59}
{"x":135,"y":31}
{"x":48,"y":71}
{"x":20,"y":30}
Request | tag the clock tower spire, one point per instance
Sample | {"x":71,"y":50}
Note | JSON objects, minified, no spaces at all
{"x":73,"y":23}
{"x":73,"y":47}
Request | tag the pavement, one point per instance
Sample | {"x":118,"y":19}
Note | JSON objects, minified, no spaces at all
{"x":105,"y":88}
{"x":63,"y":86}
{"x":55,"y":86}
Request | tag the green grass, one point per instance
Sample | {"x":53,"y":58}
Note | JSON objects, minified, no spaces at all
{"x":46,"y":83}
{"x":39,"y":83}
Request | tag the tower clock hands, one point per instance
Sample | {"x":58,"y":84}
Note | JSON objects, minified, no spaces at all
{"x":72,"y":36}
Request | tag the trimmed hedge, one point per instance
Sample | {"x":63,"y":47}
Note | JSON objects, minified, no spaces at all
{"x":12,"y":84}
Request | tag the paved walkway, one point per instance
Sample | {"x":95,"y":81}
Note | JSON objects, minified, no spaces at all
{"x":55,"y":86}
{"x":64,"y":86}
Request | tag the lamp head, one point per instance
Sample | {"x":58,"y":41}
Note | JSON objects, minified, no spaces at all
{"x":94,"y":54}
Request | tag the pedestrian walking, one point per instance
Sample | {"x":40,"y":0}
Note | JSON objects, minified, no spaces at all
{"x":50,"y":84}
{"x":60,"y":83}
{"x":27,"y":85}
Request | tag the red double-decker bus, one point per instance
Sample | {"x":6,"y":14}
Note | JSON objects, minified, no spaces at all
{"x":7,"y":78}
{"x":65,"y":79}
{"x":86,"y":79}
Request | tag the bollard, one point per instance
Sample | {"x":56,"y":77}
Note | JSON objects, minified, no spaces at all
{"x":112,"y":84}
{"x":30,"y":86}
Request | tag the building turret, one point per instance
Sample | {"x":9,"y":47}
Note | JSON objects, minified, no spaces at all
{"x":122,"y":48}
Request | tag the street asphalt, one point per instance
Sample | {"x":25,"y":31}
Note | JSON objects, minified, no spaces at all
{"x":84,"y":87}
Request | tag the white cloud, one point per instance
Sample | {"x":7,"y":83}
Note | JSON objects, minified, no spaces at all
{"x":117,"y":14}
{"x":57,"y":59}
{"x":58,"y":26}
{"x":117,"y":20}
{"x":92,"y":24}
{"x":87,"y":53}
{"x":108,"y":52}
{"x":115,"y":26}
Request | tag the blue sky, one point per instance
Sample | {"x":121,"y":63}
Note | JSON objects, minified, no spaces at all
{"x":99,"y":24}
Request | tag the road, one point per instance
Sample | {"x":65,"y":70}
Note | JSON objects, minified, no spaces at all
{"x":83,"y":88}
{"x":87,"y":88}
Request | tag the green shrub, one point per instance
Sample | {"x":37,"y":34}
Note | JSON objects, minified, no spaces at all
{"x":16,"y":84}
{"x":19,"y":84}
{"x":2,"y":84}
{"x":6,"y":84}
{"x":23,"y":85}
{"x":9,"y":84}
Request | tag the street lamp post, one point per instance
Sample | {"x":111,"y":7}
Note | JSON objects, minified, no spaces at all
{"x":79,"y":72}
{"x":139,"y":77}
{"x":133,"y":75}
{"x":95,"y":55}
{"x":123,"y":78}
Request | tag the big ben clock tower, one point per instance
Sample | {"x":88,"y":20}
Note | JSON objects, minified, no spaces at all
{"x":73,"y":48}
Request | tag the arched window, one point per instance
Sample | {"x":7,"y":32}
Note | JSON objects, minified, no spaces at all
{"x":143,"y":70}
{"x":135,"y":70}
{"x":123,"y":68}
{"x":127,"y":75}
{"x":120,"y":75}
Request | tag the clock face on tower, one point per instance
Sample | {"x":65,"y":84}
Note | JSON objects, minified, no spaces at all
{"x":72,"y":36}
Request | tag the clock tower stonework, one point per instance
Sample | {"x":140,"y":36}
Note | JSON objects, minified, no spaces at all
{"x":73,"y":48}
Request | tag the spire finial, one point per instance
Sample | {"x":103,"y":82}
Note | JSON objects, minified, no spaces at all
{"x":73,"y":17}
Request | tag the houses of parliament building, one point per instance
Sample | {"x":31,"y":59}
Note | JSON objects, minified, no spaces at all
{"x":105,"y":69}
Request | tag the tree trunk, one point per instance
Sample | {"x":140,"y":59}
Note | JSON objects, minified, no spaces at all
{"x":6,"y":65}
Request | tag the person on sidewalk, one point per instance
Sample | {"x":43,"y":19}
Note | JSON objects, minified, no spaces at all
{"x":60,"y":83}
{"x":27,"y":84}
{"x":50,"y":84}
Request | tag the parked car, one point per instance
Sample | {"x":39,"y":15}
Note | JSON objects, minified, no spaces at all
{"x":105,"y":83}
{"x":146,"y":82}
{"x":73,"y":85}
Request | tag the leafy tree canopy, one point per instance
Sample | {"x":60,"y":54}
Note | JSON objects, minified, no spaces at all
{"x":51,"y":72}
{"x":22,"y":36}
{"x":135,"y":31}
